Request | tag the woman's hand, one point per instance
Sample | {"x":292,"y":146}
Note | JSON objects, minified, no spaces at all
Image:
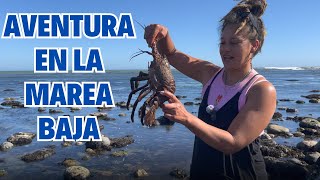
{"x":175,"y":110}
{"x":154,"y":32}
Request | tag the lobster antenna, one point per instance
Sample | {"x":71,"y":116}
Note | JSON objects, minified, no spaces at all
{"x":143,"y":26}
{"x":139,"y":53}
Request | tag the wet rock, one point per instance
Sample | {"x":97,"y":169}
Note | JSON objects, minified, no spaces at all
{"x":6,"y":146}
{"x":312,"y":96}
{"x":312,"y":157}
{"x":104,"y":108}
{"x":85,"y":157}
{"x":276,"y":129}
{"x":3,"y":173}
{"x":98,"y":145}
{"x":310,"y":132}
{"x":41,"y":109}
{"x":315,"y":101}
{"x":165,"y":121}
{"x":300,"y":102}
{"x":317,"y":147}
{"x":179,"y":173}
{"x":292,"y":80}
{"x":105,"y":140}
{"x":101,"y":127}
{"x":98,"y":114}
{"x":314,"y":91}
{"x":272,"y":135}
{"x":122,"y":114}
{"x":318,"y":162}
{"x":6,"y":90}
{"x":140,"y":173}
{"x":21,"y":138}
{"x":180,"y":97}
{"x":198,"y":99}
{"x":12,"y":103}
{"x":282,"y":108}
{"x":53,"y":111}
{"x":306,"y":145}
{"x":270,"y":148}
{"x":90,"y":151}
{"x":66,"y":143}
{"x":68,"y":162}
{"x":79,"y":143}
{"x":188,"y":103}
{"x":295,"y":118}
{"x":2,"y":160}
{"x":121,"y":104}
{"x":102,"y":116}
{"x":197,"y":104}
{"x":284,"y":169}
{"x":38,"y":155}
{"x":268,"y":142}
{"x":285,"y":100}
{"x":272,"y":151}
{"x":291,"y":110}
{"x":298,"y":134}
{"x":76,"y":172}
{"x":9,"y":99}
{"x":297,"y":161}
{"x":18,"y":106}
{"x":75,"y":108}
{"x":107,"y":118}
{"x":310,"y":123}
{"x":121,"y":142}
{"x":265,"y":136}
{"x":277,"y":116}
{"x":119,"y":153}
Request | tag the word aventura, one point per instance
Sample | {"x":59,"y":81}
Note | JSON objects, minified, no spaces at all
{"x":68,"y":25}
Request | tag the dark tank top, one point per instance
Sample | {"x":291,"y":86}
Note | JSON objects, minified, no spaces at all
{"x":209,"y":163}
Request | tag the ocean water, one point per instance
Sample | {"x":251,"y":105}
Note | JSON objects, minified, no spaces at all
{"x":157,"y":150}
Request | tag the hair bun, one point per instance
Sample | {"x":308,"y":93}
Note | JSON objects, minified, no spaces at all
{"x":256,"y":7}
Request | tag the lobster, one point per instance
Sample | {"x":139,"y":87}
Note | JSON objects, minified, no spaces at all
{"x":159,"y":78}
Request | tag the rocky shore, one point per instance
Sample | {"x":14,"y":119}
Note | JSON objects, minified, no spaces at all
{"x":300,"y":161}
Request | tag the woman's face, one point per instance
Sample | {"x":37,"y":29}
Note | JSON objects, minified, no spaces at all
{"x":235,"y":49}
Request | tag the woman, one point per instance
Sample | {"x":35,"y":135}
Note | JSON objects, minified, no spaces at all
{"x":237,"y":104}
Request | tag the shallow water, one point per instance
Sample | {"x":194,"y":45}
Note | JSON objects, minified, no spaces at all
{"x":157,"y":149}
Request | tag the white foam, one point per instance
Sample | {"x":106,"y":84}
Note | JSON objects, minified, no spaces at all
{"x":285,"y":68}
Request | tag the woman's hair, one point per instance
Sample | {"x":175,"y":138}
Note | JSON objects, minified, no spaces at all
{"x":247,"y":16}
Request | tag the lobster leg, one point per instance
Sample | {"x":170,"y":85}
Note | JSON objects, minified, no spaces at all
{"x":144,"y":106}
{"x":142,"y":94}
{"x":134,"y":81}
{"x":151,"y":114}
{"x":133,"y":92}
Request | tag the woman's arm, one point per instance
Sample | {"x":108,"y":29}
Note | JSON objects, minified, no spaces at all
{"x":194,"y":68}
{"x":247,"y":125}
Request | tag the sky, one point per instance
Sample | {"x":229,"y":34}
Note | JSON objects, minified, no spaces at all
{"x":292,"y":31}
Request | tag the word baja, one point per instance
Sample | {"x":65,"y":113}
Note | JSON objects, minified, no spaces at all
{"x":85,"y":129}
{"x":63,"y":25}
{"x":69,"y":94}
